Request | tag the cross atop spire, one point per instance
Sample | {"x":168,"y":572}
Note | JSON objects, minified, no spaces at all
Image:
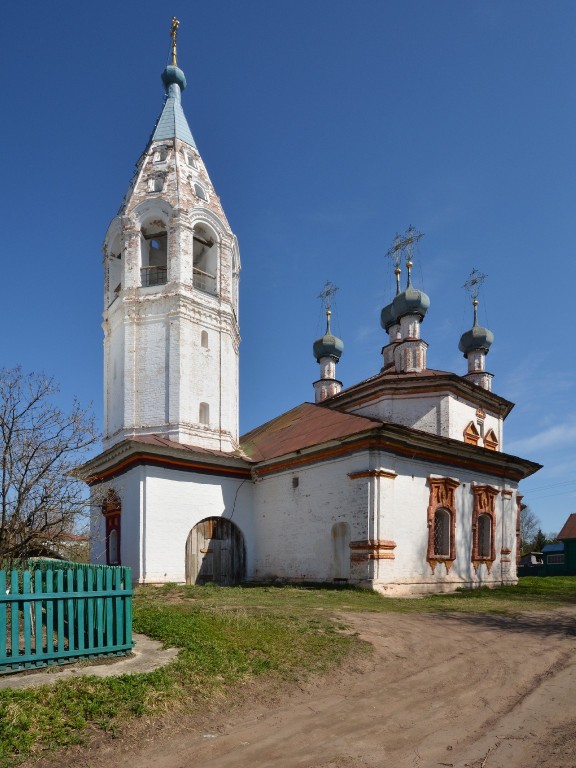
{"x":173,"y":34}
{"x":326,"y":295}
{"x":403,"y":247}
{"x":473,"y":285}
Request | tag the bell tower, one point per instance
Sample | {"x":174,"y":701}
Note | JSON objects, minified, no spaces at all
{"x":172,"y":265}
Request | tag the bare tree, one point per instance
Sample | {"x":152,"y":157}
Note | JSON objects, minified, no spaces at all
{"x":41,"y":496}
{"x":529,"y":527}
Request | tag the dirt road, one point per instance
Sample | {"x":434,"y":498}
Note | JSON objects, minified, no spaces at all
{"x":460,"y":691}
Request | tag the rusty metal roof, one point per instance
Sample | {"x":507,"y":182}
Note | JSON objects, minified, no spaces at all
{"x":305,"y":426}
{"x":569,"y":529}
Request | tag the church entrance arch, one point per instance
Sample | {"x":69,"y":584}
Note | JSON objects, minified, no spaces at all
{"x":215,"y":553}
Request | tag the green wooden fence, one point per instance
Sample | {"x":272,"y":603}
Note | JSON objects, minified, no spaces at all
{"x":57,"y":613}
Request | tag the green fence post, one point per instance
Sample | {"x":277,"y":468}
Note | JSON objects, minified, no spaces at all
{"x":49,"y":612}
{"x":3,"y":622}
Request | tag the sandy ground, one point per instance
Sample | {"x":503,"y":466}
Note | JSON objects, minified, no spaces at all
{"x":460,"y":691}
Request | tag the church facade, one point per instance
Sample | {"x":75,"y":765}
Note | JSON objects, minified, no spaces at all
{"x":398,"y":483}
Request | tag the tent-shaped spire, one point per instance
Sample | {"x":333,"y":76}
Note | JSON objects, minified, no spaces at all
{"x":172,"y":123}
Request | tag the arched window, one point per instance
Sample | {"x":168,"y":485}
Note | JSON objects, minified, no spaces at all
{"x":205,"y":264}
{"x":484,"y":537}
{"x":442,"y":533}
{"x":112,"y":509}
{"x":483,"y":525}
{"x":200,"y":192}
{"x":204,"y":413}
{"x":441,"y":518}
{"x":154,"y":250}
{"x":113,"y":548}
{"x":204,"y":339}
{"x":471,"y":434}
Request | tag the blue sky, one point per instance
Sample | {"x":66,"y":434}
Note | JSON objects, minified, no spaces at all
{"x":326,"y":126}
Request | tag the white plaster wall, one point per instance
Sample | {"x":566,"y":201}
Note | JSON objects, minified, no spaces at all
{"x":441,"y":414}
{"x":292,"y":526}
{"x":463,"y":412}
{"x":173,"y":502}
{"x":420,"y":412}
{"x":129,"y":488}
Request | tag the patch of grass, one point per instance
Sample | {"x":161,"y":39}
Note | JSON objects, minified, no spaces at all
{"x":228,"y":636}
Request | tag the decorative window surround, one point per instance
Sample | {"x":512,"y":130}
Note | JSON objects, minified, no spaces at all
{"x":490,"y":440}
{"x":442,"y":496}
{"x":519,"y":507}
{"x":112,"y":509}
{"x":471,"y":434}
{"x":484,"y":504}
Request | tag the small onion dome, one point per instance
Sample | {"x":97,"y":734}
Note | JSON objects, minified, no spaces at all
{"x":328,"y":345}
{"x":476,"y":339}
{"x":411,"y":302}
{"x":173,"y":74}
{"x":388,"y":317}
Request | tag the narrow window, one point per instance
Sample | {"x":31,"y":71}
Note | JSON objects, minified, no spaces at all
{"x":442,"y":520}
{"x":204,"y":414}
{"x":190,"y":160}
{"x":111,"y":509}
{"x":484,"y":536}
{"x":204,"y":339}
{"x":160,"y":155}
{"x":113,"y":553}
{"x":483,"y":524}
{"x":199,"y":191}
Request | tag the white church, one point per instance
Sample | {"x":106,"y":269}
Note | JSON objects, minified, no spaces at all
{"x":398,"y":483}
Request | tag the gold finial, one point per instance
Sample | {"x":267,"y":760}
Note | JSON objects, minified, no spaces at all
{"x":173,"y":33}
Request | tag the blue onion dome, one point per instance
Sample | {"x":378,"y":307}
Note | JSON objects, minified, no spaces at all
{"x":388,"y":317}
{"x":173,"y":75}
{"x":411,"y":302}
{"x":328,"y":345}
{"x":477,"y":338}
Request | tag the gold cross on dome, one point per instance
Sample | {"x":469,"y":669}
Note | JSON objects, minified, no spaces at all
{"x":173,"y":33}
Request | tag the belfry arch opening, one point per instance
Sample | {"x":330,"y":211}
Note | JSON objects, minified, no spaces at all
{"x":205,"y":266}
{"x":215,"y":553}
{"x":154,"y":250}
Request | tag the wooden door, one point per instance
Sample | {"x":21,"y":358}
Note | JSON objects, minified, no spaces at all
{"x":215,"y":553}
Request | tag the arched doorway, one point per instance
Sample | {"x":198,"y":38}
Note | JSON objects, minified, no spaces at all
{"x":215,"y":553}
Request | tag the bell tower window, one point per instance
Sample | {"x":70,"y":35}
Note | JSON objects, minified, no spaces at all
{"x":204,"y":413}
{"x":156,"y":184}
{"x":154,"y":270}
{"x":205,"y":261}
{"x":200,"y":192}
